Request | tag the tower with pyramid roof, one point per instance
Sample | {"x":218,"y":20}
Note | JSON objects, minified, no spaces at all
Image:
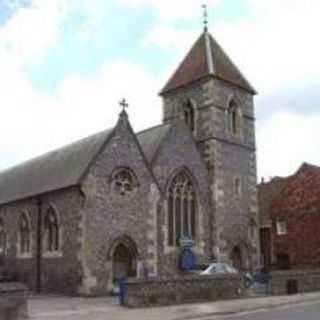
{"x":217,"y":103}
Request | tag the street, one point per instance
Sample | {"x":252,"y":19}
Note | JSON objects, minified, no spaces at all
{"x":303,"y":311}
{"x":294,"y":307}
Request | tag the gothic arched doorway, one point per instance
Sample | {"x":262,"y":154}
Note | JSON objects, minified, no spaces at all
{"x":236,"y":258}
{"x":124,"y":262}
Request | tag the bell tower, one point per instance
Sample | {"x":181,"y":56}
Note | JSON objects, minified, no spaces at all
{"x":217,"y":103}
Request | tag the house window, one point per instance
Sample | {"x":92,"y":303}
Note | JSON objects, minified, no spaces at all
{"x":24,"y":234}
{"x":234,"y":118}
{"x":188,"y":112}
{"x":182,"y":209}
{"x":124,"y":181}
{"x":52,"y":231}
{"x":281,"y":228}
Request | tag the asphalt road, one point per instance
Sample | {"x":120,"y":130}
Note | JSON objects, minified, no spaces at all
{"x":305,"y":311}
{"x":296,"y":307}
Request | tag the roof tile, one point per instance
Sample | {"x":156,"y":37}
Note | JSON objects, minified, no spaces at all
{"x":196,"y":65}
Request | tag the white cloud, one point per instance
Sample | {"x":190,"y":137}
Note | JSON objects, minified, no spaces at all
{"x":37,"y":123}
{"x":168,"y":38}
{"x":172,"y":9}
{"x":33,"y":123}
{"x":276,"y":49}
{"x":31,"y":31}
{"x":276,"y":46}
{"x":285,"y":141}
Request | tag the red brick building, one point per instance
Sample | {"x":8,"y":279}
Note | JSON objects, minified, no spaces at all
{"x":290,"y":220}
{"x":267,"y":191}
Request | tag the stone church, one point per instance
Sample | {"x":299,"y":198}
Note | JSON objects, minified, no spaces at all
{"x":118,"y":203}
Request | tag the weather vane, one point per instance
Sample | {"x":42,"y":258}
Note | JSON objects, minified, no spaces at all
{"x":205,"y":17}
{"x":124,"y":104}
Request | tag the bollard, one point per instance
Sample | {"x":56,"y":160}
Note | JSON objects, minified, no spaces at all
{"x":123,"y":286}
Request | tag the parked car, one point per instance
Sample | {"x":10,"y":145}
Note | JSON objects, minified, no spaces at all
{"x":224,"y":268}
{"x":219,"y":268}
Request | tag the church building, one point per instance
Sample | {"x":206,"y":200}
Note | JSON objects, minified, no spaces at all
{"x":119,"y":203}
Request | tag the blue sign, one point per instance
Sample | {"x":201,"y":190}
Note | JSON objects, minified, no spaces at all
{"x":186,"y":242}
{"x":187,"y":260}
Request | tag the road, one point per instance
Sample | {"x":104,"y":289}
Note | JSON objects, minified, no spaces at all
{"x":295,"y":307}
{"x":303,"y":311}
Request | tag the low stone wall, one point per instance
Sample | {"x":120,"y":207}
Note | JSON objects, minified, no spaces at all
{"x":293,"y":281}
{"x":188,"y":289}
{"x":13,"y":301}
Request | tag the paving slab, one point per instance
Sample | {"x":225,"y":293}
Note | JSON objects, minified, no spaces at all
{"x":64,"y":308}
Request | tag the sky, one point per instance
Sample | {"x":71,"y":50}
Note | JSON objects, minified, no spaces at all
{"x":65,"y":65}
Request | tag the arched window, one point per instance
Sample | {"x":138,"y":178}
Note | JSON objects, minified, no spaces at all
{"x":124,"y":181}
{"x":3,"y":239}
{"x":234,"y":121}
{"x":52,"y":231}
{"x":188,"y":113}
{"x":182,"y":209}
{"x":252,"y":229}
{"x":24,"y":234}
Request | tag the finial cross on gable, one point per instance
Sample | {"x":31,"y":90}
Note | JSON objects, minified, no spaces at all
{"x":124,"y":104}
{"x":205,"y":17}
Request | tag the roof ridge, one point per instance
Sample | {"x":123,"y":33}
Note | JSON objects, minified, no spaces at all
{"x":152,"y":128}
{"x":47,"y":153}
{"x":191,"y":51}
{"x":206,"y":58}
{"x":54,"y":170}
{"x":308,"y":164}
{"x":247,"y":85}
{"x":210,"y":60}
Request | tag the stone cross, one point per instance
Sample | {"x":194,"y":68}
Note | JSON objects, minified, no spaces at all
{"x":124,"y":104}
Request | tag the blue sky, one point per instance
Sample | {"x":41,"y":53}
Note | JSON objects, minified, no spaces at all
{"x":66,"y":63}
{"x":83,"y":47}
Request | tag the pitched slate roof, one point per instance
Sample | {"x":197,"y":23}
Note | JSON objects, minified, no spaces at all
{"x":52,"y":171}
{"x":207,"y":58}
{"x":151,"y":139}
{"x":65,"y":167}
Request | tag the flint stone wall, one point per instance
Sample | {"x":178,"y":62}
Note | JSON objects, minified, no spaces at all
{"x":189,"y":289}
{"x":307,"y":281}
{"x":13,"y":301}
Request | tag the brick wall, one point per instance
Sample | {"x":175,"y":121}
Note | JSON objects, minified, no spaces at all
{"x":265,"y":247}
{"x":298,"y":206}
{"x":301,"y":243}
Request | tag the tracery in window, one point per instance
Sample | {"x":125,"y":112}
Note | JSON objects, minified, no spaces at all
{"x":124,"y":181}
{"x":24,"y":234}
{"x":182,"y":209}
{"x":188,"y":113}
{"x":3,"y":238}
{"x":52,"y":231}
{"x":234,"y":121}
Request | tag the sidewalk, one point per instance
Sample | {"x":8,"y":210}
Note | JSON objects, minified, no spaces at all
{"x":58,"y":308}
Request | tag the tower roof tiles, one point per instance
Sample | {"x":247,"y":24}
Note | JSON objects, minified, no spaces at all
{"x":206,"y":58}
